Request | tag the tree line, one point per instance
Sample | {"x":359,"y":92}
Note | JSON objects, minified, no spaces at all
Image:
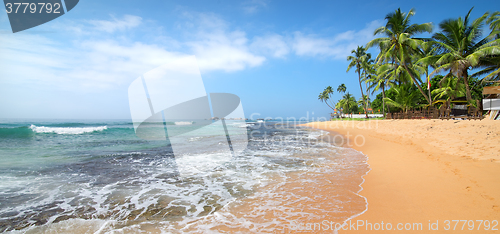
{"x":406,"y":67}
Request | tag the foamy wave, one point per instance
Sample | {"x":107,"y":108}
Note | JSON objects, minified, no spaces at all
{"x":183,"y":123}
{"x":67,"y":130}
{"x":316,"y":134}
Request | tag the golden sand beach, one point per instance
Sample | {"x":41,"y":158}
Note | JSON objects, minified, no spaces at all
{"x":431,"y":175}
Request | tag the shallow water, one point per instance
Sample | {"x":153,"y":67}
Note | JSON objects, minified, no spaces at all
{"x":97,"y":176}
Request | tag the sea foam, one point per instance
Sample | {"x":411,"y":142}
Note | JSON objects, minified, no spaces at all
{"x":183,"y":123}
{"x":66,"y":130}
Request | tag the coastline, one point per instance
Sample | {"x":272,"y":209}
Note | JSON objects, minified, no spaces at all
{"x":427,"y":172}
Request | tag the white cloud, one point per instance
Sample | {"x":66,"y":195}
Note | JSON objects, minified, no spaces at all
{"x":227,"y":52}
{"x":88,"y":65}
{"x":28,"y":57}
{"x":107,"y":62}
{"x":217,"y":48}
{"x":272,"y":45}
{"x":252,"y":6}
{"x":337,"y":47}
{"x":126,"y":22}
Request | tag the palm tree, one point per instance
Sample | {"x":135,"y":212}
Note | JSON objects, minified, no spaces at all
{"x":491,"y":64}
{"x":359,"y":60}
{"x":450,"y":87}
{"x":427,"y":49}
{"x":405,"y":98}
{"x":379,"y":81}
{"x":494,"y":22}
{"x":341,"y":88}
{"x":368,"y":72}
{"x":461,"y":48}
{"x":347,"y":103}
{"x":326,"y":97}
{"x":361,"y":103}
{"x":399,"y":45}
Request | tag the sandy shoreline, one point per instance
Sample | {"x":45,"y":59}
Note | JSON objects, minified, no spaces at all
{"x":426,"y":173}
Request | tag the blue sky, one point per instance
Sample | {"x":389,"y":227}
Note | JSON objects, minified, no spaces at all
{"x":276,"y":55}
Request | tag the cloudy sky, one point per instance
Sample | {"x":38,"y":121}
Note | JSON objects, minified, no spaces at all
{"x":276,"y":55}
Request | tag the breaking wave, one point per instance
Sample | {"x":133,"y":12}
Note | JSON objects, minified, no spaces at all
{"x":66,"y":130}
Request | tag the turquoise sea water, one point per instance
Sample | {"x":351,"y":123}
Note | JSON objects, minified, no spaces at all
{"x":88,"y":176}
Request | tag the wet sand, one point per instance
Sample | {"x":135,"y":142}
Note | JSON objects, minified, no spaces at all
{"x":425,"y":174}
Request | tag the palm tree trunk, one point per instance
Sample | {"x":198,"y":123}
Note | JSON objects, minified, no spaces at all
{"x":329,"y":105}
{"x":467,"y":89}
{"x":386,"y":105}
{"x":362,"y":94}
{"x":428,"y":86}
{"x":416,"y":83}
{"x":383,"y":100}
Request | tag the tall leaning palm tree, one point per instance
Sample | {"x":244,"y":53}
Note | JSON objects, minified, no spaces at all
{"x":399,"y":45}
{"x":461,"y":48}
{"x":359,"y":59}
{"x":326,"y":97}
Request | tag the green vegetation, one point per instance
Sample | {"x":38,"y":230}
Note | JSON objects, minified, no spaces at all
{"x":405,"y":71}
{"x":404,"y":98}
{"x":348,"y":104}
{"x":357,"y":119}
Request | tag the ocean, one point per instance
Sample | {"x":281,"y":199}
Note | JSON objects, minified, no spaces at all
{"x":97,"y":176}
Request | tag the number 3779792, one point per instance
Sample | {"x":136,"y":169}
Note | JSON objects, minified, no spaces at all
{"x":32,"y":8}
